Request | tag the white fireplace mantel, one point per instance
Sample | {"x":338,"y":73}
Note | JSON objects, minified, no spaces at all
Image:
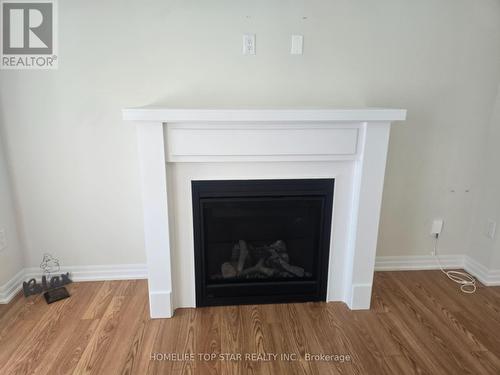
{"x":349,"y":145}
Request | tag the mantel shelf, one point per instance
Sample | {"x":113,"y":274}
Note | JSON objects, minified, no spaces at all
{"x":165,"y":115}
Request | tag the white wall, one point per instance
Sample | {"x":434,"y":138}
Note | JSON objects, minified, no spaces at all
{"x":492,"y":201}
{"x":482,"y":248}
{"x":74,"y":160}
{"x":11,"y":258}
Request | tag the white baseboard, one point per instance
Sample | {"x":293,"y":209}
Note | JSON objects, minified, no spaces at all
{"x":482,"y":273}
{"x":139,"y":271}
{"x":428,"y":262}
{"x":77,"y":273}
{"x":97,"y":273}
{"x":417,"y":262}
{"x":11,"y":287}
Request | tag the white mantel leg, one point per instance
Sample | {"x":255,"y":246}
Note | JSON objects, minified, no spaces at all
{"x":369,"y":182}
{"x":156,"y":228}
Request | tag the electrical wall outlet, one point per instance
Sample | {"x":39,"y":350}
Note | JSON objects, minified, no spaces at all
{"x":491,"y":229}
{"x":249,"y":44}
{"x":437,"y":227}
{"x":3,"y":240}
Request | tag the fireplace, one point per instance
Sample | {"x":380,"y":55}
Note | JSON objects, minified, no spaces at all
{"x":261,"y":241}
{"x":232,"y":155}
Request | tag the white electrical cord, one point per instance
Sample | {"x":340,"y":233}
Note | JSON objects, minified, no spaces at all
{"x":466,"y":281}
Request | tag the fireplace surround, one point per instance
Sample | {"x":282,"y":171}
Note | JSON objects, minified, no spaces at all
{"x":179,"y":146}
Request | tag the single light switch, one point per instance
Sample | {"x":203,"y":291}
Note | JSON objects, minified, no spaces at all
{"x":297,"y":44}
{"x":249,"y":44}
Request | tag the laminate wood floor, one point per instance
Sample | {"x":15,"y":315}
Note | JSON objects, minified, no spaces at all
{"x":419,"y":323}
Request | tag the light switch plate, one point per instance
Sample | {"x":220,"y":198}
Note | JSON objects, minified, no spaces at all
{"x":297,"y":44}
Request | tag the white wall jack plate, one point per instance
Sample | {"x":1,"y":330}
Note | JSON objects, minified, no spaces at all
{"x":437,"y":227}
{"x":297,"y":44}
{"x":3,"y":240}
{"x":249,"y":44}
{"x":492,"y":229}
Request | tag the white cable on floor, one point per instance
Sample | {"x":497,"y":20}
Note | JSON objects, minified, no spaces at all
{"x":467,"y":282}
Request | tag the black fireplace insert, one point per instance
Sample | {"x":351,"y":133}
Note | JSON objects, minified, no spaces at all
{"x":261,"y":241}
